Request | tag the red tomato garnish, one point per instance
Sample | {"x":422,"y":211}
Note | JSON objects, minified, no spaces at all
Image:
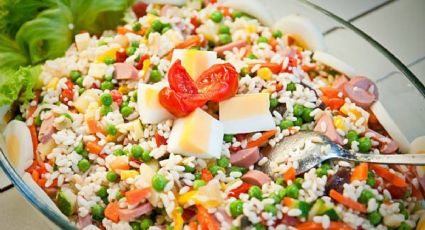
{"x":178,"y":104}
{"x":69,"y":84}
{"x":66,"y":96}
{"x":195,"y":22}
{"x":206,"y":175}
{"x":116,"y":97}
{"x":120,"y":56}
{"x":139,"y":64}
{"x":219,"y":82}
{"x":139,"y":9}
{"x":180,"y":80}
{"x":237,"y":191}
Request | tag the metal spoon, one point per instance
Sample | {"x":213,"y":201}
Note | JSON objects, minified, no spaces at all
{"x":312,"y":148}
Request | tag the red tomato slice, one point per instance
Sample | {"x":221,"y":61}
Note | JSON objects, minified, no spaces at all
{"x":180,"y":80}
{"x":180,"y":104}
{"x":219,"y":82}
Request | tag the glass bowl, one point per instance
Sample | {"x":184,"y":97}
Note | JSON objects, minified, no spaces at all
{"x":401,"y":93}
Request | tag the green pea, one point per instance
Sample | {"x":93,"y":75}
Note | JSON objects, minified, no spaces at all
{"x":153,"y":12}
{"x":145,"y":223}
{"x":137,"y":26}
{"x":273,"y":103}
{"x":306,"y":115}
{"x":106,"y":85}
{"x":252,"y":56}
{"x":244,"y":71}
{"x":323,"y":170}
{"x":102,"y":192}
{"x":237,"y":14}
{"x":292,"y":191}
{"x":235,"y":228}
{"x":277,"y":34}
{"x":224,"y":39}
{"x":298,"y":122}
{"x":304,"y":207}
{"x":135,"y":43}
{"x":216,"y":16}
{"x":280,"y":181}
{"x":104,"y":110}
{"x":79,"y":148}
{"x":255,"y":191}
{"x":298,"y":110}
{"x":118,"y":152}
{"x":405,"y":214}
{"x":135,"y":226}
{"x":130,"y":50}
{"x":165,"y":28}
{"x":109,"y":60}
{"x":374,"y":218}
{"x":282,"y":193}
{"x":236,"y":208}
{"x":365,"y":196}
{"x":106,"y":99}
{"x":126,"y":111}
{"x":214,"y":169}
{"x":97,"y":212}
{"x":198,"y":183}
{"x":108,"y":77}
{"x":189,"y":169}
{"x":228,"y":137}
{"x":150,"y":30}
{"x":67,"y":116}
{"x":404,"y":226}
{"x":38,"y":121}
{"x":262,"y":40}
{"x":352,"y":136}
{"x":81,"y":90}
{"x":146,"y":156}
{"x":284,"y":124}
{"x":159,"y":182}
{"x":223,"y":162}
{"x":370,"y":178}
{"x":198,"y":176}
{"x":111,"y":129}
{"x":79,"y":81}
{"x":119,"y":196}
{"x":102,"y":43}
{"x":155,"y":76}
{"x":75,"y":74}
{"x":83,"y":165}
{"x":111,"y":176}
{"x":298,"y":182}
{"x":259,"y":226}
{"x":238,"y":169}
{"x":270,"y":208}
{"x":223,"y":29}
{"x":275,"y":196}
{"x":365,"y":144}
{"x":291,"y":87}
{"x":157,"y":25}
{"x":137,"y":151}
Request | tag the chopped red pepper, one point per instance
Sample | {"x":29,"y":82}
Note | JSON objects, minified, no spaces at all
{"x":139,"y":64}
{"x":160,"y":140}
{"x":66,"y":96}
{"x":139,"y":9}
{"x":206,"y":175}
{"x":120,"y":56}
{"x":239,"y":190}
{"x":116,"y":97}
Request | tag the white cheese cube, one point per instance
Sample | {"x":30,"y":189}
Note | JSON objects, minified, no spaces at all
{"x":82,"y":41}
{"x":150,"y":110}
{"x":195,"y":61}
{"x":97,"y":70}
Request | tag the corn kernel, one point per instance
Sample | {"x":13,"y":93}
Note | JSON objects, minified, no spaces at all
{"x":125,"y":174}
{"x":264,"y":73}
{"x":53,"y":83}
{"x":339,"y":123}
{"x":108,"y":54}
{"x":186,"y":197}
{"x":251,"y":28}
{"x":146,"y":64}
{"x":123,"y":89}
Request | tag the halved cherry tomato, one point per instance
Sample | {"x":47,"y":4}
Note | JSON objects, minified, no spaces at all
{"x":219,"y":82}
{"x":178,"y":104}
{"x":333,"y":103}
{"x":180,"y":80}
{"x":120,"y":56}
{"x":139,"y":9}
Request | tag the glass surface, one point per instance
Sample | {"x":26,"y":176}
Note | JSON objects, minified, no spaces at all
{"x":401,"y":92}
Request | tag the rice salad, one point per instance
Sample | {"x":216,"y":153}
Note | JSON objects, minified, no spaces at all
{"x":130,"y":131}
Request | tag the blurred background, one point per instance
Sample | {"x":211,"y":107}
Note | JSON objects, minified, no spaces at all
{"x":398,"y":25}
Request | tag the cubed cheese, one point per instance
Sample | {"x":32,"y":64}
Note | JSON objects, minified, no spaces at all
{"x":82,"y":102}
{"x":82,"y":41}
{"x":198,"y":134}
{"x":97,"y":70}
{"x":195,"y":61}
{"x":246,"y":113}
{"x":150,"y":110}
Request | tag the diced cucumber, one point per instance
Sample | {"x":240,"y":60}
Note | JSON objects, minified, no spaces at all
{"x":332,"y":214}
{"x":318,"y":208}
{"x":304,"y":207}
{"x":66,"y":201}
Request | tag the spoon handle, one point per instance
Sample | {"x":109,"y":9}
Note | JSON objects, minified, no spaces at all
{"x":402,"y":159}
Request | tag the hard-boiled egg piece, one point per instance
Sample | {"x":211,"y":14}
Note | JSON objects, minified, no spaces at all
{"x":246,"y":113}
{"x":150,"y":110}
{"x":171,"y":2}
{"x":254,"y":8}
{"x":195,"y":61}
{"x":305,"y":33}
{"x":334,"y":63}
{"x":18,"y":145}
{"x":199,"y":134}
{"x":418,"y":145}
{"x":390,"y":126}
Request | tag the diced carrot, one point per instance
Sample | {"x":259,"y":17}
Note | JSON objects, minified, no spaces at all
{"x":160,"y":140}
{"x":262,"y":140}
{"x":225,"y":11}
{"x":112,"y":212}
{"x":32,"y":167}
{"x":273,"y":43}
{"x":94,"y":126}
{"x":35,"y":175}
{"x":279,"y":87}
{"x":205,"y":219}
{"x":34,"y":138}
{"x":93,"y":147}
{"x":137,"y":195}
{"x":42,"y":182}
{"x":193,"y":225}
{"x":311,"y":225}
{"x":290,"y":174}
{"x":119,"y":164}
{"x":329,"y":91}
{"x":191,"y":42}
{"x":287,"y":201}
{"x":347,"y":201}
{"x":122,"y":30}
{"x":237,"y":191}
{"x":308,"y":68}
{"x":206,"y":175}
{"x":388,"y":176}
{"x":333,"y":103}
{"x":360,"y":172}
{"x":274,"y":67}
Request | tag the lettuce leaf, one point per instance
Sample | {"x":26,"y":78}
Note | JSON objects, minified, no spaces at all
{"x":10,"y":54}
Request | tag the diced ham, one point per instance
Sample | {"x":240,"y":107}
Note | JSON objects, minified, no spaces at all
{"x":84,"y":221}
{"x":245,"y":157}
{"x":366,"y":84}
{"x":229,"y":47}
{"x":339,"y":82}
{"x":46,"y":129}
{"x":361,"y":91}
{"x":132,"y":214}
{"x":326,"y":126}
{"x":256,"y":177}
{"x":125,"y":71}
{"x":387,"y":145}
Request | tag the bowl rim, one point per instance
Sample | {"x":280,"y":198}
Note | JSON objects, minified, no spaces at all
{"x":58,"y":220}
